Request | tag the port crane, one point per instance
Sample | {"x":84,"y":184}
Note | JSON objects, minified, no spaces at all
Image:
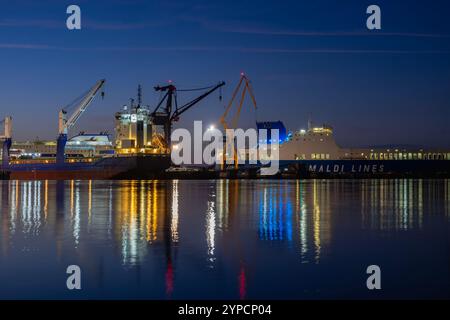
{"x":168,"y":114}
{"x":6,"y":138}
{"x":244,"y":87}
{"x":65,"y":122}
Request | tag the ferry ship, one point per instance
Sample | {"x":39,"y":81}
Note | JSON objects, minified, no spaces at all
{"x":315,"y":153}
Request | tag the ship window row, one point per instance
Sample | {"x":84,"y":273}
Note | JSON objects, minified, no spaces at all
{"x":320,"y":156}
{"x":410,"y":156}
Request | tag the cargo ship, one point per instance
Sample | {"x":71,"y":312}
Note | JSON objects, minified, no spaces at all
{"x":313,"y":152}
{"x":113,"y":167}
{"x":138,"y":153}
{"x":141,"y":149}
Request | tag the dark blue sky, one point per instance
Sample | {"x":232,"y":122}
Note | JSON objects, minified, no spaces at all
{"x":306,"y":59}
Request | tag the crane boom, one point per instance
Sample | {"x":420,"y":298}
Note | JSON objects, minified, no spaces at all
{"x":169,"y":114}
{"x":179,"y":111}
{"x":245,"y":86}
{"x":64,"y":124}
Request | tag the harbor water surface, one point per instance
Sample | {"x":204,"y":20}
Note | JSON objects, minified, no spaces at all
{"x":225,"y":239}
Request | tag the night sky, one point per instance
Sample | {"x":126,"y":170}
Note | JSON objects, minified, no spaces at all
{"x":306,"y":59}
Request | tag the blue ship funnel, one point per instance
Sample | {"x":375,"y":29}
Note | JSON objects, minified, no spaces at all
{"x":272,"y":125}
{"x":5,"y":152}
{"x":60,"y":148}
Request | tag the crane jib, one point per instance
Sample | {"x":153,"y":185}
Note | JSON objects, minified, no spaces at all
{"x":85,"y":102}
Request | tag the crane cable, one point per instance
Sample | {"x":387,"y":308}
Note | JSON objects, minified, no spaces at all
{"x":195,"y":89}
{"x":81,"y":97}
{"x":192,"y":90}
{"x":78,"y":99}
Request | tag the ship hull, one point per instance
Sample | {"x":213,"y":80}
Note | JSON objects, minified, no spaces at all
{"x":120,"y":167}
{"x":366,"y":168}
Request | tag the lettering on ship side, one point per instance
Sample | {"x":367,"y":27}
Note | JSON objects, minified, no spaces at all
{"x":336,"y":168}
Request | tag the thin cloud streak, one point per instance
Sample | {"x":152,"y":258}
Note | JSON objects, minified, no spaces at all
{"x":272,"y":50}
{"x":115,"y":26}
{"x":87,"y":24}
{"x":26,"y":46}
{"x":111,"y":26}
{"x":355,"y":51}
{"x":49,"y":24}
{"x":227,"y":27}
{"x":220,"y":49}
{"x":332,"y":34}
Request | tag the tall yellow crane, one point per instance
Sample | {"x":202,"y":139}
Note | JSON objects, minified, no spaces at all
{"x":244,"y":86}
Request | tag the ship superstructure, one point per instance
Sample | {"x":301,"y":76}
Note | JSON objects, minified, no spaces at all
{"x":136,"y":131}
{"x":318,"y":143}
{"x":81,"y":145}
{"x":314,"y":152}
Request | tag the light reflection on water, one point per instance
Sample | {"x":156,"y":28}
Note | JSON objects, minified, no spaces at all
{"x":223,"y":238}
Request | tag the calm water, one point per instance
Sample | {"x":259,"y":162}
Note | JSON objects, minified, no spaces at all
{"x":225,"y":239}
